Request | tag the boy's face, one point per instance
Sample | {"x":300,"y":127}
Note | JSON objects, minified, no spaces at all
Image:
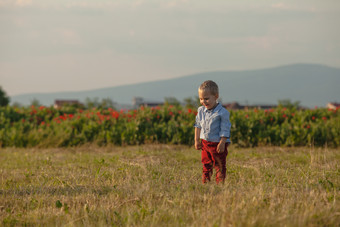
{"x":207,"y":99}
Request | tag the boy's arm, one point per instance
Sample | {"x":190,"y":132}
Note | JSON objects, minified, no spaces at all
{"x":225,"y":132}
{"x":197,"y":126}
{"x":198,"y":144}
{"x":225,"y":126}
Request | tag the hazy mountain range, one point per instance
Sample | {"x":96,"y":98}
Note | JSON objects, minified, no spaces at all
{"x":311,"y":84}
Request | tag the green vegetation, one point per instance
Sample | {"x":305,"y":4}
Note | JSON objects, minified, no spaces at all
{"x":103,"y":104}
{"x":4,"y":99}
{"x":169,"y":124}
{"x":159,"y":185}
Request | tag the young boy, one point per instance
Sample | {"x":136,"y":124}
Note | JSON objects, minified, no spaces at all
{"x":212,"y":132}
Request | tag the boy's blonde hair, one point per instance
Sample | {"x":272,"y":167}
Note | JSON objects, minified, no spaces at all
{"x":210,"y":86}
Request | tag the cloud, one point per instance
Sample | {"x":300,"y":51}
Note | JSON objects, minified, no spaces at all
{"x":281,"y":5}
{"x":137,"y":3}
{"x":66,"y":36}
{"x":296,"y":7}
{"x":23,"y":3}
{"x":13,"y":4}
{"x":132,"y":32}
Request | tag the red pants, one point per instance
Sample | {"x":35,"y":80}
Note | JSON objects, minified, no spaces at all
{"x":212,"y":159}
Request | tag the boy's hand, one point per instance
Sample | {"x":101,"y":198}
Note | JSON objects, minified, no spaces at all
{"x":198,"y":145}
{"x":221,"y":145}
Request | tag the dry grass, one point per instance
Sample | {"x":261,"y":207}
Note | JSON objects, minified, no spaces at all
{"x":159,"y":185}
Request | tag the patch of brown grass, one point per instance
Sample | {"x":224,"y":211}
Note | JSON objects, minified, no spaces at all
{"x":159,"y":185}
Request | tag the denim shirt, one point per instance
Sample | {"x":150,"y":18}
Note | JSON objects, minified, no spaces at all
{"x":214,"y":123}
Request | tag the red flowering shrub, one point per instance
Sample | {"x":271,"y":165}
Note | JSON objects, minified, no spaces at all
{"x":46,"y":126}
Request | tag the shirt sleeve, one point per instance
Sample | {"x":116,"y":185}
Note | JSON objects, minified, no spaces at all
{"x":225,"y":125}
{"x":197,"y":123}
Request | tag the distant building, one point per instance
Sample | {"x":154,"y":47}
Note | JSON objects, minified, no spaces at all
{"x":333,"y":105}
{"x":139,"y":101}
{"x":237,"y":106}
{"x":233,"y":106}
{"x":60,"y":103}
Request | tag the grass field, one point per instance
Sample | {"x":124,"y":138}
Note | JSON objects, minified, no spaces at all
{"x":159,"y":185}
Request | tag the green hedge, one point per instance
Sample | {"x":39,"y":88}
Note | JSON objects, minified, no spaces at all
{"x":49,"y":127}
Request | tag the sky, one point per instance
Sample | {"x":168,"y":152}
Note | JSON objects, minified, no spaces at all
{"x":75,"y":45}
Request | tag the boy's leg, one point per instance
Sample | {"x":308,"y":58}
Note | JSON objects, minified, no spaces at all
{"x":220,"y":164}
{"x":207,"y":162}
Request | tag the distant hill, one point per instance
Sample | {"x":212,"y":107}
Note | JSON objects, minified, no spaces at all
{"x":312,"y":85}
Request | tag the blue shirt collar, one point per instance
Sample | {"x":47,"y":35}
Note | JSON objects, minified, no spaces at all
{"x":215,"y":109}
